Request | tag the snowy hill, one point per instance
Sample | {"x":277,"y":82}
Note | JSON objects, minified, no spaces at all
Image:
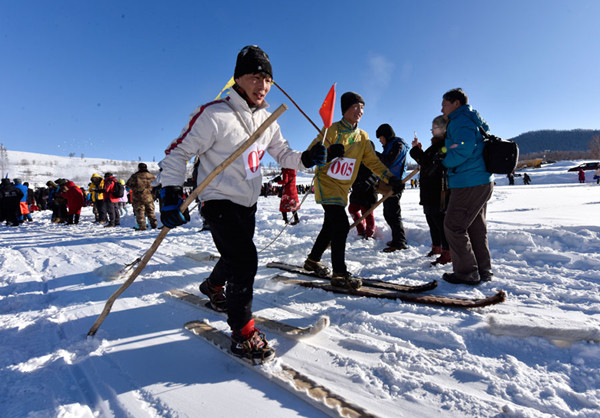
{"x":535,"y":355}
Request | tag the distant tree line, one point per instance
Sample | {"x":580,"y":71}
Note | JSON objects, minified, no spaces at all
{"x":555,"y":140}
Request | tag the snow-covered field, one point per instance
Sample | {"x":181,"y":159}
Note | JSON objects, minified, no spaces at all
{"x":536,"y":355}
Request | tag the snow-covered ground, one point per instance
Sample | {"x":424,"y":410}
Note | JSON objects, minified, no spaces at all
{"x":536,"y":355}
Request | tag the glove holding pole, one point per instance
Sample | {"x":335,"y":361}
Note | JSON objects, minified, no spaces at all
{"x":171,"y":198}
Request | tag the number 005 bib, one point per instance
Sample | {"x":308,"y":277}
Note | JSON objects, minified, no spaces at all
{"x":341,"y":168}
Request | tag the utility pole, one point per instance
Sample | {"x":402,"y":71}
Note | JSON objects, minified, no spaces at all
{"x":3,"y":160}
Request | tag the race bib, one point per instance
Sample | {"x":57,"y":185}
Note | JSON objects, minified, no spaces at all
{"x":341,"y":168}
{"x":252,"y":157}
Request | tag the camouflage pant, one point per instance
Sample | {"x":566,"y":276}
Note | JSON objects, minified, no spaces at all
{"x":142,"y":209}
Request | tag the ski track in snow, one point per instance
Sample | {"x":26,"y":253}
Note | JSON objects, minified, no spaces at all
{"x":535,"y":355}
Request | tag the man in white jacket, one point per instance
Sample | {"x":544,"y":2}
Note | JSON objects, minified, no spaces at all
{"x":214,"y":131}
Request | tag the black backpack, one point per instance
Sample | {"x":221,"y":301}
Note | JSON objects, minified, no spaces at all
{"x":118,"y":190}
{"x":500,"y":156}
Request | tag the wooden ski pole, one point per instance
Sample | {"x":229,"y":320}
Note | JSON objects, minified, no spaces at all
{"x":380,"y":201}
{"x":164,"y":231}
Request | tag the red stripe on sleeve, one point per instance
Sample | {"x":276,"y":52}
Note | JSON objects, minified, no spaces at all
{"x":180,"y":139}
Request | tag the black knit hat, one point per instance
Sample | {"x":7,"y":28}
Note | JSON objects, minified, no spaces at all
{"x":386,"y":131}
{"x":142,"y":167}
{"x":107,"y":175}
{"x":350,"y":98}
{"x":251,"y":60}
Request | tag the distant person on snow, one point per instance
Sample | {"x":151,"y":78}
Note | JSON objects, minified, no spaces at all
{"x":348,"y":147}
{"x":229,"y":202}
{"x":98,"y":200}
{"x":526,"y":179}
{"x":289,"y":195}
{"x":11,"y":198}
{"x":597,"y":176}
{"x":581,"y":175}
{"x":142,"y":199}
{"x":23,"y":205}
{"x":75,"y":201}
{"x":471,"y":186}
{"x":111,"y":201}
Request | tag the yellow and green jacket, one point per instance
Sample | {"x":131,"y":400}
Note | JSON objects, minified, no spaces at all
{"x":93,"y":189}
{"x":358,"y":149}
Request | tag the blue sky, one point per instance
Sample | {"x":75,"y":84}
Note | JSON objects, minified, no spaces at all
{"x":118,"y":79}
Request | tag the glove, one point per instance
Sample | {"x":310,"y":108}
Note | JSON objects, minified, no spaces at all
{"x":171,"y":198}
{"x":314,"y":155}
{"x":397,"y":184}
{"x":335,"y":151}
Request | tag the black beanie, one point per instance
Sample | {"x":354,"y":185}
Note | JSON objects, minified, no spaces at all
{"x":107,"y":175}
{"x":142,"y":167}
{"x":386,"y":131}
{"x":350,"y":98}
{"x":251,"y":60}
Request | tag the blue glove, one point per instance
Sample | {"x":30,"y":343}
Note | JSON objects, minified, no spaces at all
{"x":334,"y":151}
{"x":314,"y":155}
{"x":171,"y":198}
{"x":397,"y":184}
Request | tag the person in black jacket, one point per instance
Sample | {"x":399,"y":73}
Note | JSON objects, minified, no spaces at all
{"x":434,"y":188}
{"x":362,"y":197}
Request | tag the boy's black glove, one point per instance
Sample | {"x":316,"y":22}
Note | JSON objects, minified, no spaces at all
{"x":334,"y":151}
{"x":397,"y":184}
{"x":171,"y":198}
{"x":314,"y":155}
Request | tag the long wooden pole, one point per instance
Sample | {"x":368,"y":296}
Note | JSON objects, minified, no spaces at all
{"x":380,"y":201}
{"x":298,"y":107}
{"x":164,"y":231}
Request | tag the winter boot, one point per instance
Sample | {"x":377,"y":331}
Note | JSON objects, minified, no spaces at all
{"x":395,"y":247}
{"x":457,"y":278}
{"x":250,"y":343}
{"x":296,"y":220}
{"x":216,"y":295}
{"x":316,"y":266}
{"x":345,"y":280}
{"x":285,"y":218}
{"x":444,"y":258}
{"x":76,"y":219}
{"x":435,"y":250}
{"x":69,"y":219}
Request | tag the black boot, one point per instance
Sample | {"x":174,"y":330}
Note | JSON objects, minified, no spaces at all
{"x":285,"y":218}
{"x":296,"y":220}
{"x":76,"y":219}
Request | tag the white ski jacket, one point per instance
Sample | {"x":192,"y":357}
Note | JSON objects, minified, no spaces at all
{"x":213,"y":133}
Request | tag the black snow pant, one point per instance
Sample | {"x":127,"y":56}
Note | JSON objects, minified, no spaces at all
{"x":334,"y":231}
{"x":393,"y":217}
{"x":232,"y":229}
{"x":114,"y":217}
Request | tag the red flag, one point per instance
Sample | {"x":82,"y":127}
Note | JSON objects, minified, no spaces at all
{"x":326,"y":110}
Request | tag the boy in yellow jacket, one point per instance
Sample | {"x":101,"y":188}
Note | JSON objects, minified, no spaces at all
{"x":347,"y":147}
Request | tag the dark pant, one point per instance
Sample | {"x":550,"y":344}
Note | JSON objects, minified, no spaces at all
{"x":334,"y":231}
{"x":100,"y":211}
{"x":393,"y":217}
{"x":232,"y":229}
{"x":114,"y":217}
{"x":435,"y":220}
{"x":466,"y":229}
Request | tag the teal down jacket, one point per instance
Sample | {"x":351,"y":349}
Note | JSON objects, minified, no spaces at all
{"x":464,"y":148}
